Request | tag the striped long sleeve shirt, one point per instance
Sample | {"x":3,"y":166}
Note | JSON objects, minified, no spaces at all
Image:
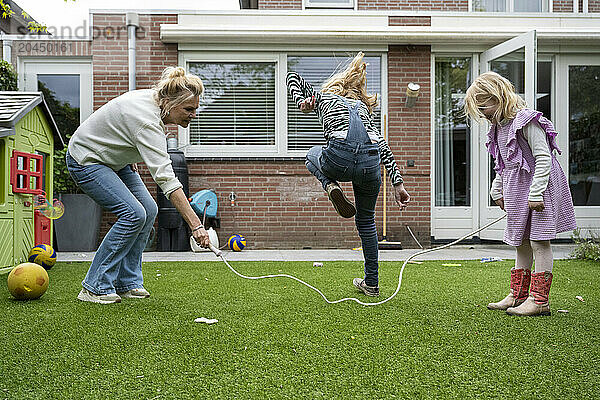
{"x":334,"y":117}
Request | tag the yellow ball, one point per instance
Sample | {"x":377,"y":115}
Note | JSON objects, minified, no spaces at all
{"x":28,"y":281}
{"x":42,"y":254}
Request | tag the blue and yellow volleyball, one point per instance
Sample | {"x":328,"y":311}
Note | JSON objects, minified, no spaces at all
{"x":44,"y":255}
{"x":236,"y":243}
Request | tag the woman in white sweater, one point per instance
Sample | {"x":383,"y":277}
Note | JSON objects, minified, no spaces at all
{"x":101,"y":159}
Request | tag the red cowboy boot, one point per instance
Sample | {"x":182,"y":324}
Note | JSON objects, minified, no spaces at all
{"x":519,"y":290}
{"x":538,"y":302}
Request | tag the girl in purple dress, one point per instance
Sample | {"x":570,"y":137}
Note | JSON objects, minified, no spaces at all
{"x":529,"y":185}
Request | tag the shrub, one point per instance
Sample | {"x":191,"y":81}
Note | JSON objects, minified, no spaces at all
{"x":587,"y":248}
{"x":8,"y":76}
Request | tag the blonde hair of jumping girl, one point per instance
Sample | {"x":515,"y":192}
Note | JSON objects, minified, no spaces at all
{"x":488,"y":90}
{"x":176,"y":87}
{"x":352,"y":83}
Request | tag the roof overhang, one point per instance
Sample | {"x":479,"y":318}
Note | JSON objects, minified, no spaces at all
{"x":7,"y":127}
{"x":264,"y":27}
{"x":6,"y":131}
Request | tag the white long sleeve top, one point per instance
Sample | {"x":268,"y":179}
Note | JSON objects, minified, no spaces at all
{"x":536,"y":138}
{"x":128,"y":129}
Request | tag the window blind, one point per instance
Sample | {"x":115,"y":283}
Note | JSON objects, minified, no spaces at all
{"x":238,"y":106}
{"x":305,"y":130}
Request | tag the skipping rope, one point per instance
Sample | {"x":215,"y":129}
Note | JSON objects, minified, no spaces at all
{"x":219,"y":253}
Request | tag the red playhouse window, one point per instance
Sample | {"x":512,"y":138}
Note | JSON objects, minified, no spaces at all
{"x":26,"y":172}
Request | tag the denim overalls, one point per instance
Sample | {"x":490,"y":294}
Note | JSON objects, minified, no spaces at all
{"x":354,"y":159}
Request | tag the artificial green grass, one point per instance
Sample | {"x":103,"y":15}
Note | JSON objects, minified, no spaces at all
{"x":277,"y":339}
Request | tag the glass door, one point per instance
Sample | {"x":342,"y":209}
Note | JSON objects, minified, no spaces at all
{"x":578,"y":124}
{"x":452,"y":210}
{"x":516,"y":60}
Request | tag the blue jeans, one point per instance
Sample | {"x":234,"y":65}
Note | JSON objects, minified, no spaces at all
{"x":341,"y":161}
{"x":117,"y":264}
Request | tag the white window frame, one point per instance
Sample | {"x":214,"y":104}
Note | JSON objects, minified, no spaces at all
{"x":587,"y":216}
{"x":350,"y":4}
{"x":450,"y":222}
{"x":281,"y":94}
{"x":29,"y":67}
{"x":229,"y":150}
{"x":510,"y":7}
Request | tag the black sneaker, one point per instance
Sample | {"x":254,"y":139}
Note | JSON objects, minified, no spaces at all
{"x":342,"y":205}
{"x":360,"y":284}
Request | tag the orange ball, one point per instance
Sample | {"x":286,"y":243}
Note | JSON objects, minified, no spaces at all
{"x":28,"y":281}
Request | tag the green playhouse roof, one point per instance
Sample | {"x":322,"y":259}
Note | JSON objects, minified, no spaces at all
{"x":15,"y":105}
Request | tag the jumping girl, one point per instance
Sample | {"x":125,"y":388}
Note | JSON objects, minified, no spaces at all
{"x":353,"y":153}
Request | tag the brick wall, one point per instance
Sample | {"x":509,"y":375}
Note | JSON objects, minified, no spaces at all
{"x":109,"y":58}
{"x":279,"y":204}
{"x":409,"y":136}
{"x":562,"y":6}
{"x":567,"y":6}
{"x":111,"y":70}
{"x":50,"y":48}
{"x":152,"y":54}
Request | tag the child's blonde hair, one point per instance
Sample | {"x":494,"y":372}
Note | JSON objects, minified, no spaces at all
{"x":352,"y":83}
{"x":176,"y":87}
{"x":491,"y":88}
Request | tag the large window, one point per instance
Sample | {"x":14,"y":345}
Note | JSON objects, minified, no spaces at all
{"x":305,"y":131}
{"x":246,"y":110}
{"x":452,"y":134}
{"x":510,"y":5}
{"x":238,"y":107}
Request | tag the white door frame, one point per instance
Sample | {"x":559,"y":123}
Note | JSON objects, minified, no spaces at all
{"x":29,"y":67}
{"x":527,"y":41}
{"x":588,"y":217}
{"x":451,"y":222}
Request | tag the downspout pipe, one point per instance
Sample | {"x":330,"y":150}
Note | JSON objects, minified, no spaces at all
{"x":133,"y":22}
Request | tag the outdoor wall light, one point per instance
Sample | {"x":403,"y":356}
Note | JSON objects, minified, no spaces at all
{"x":412,"y":92}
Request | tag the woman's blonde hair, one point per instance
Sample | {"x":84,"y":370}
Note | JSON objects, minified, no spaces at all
{"x":352,"y":83}
{"x":488,"y":89}
{"x":176,"y":87}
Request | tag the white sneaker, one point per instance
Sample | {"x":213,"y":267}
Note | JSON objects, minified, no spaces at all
{"x":139,"y":293}
{"x":86,"y":295}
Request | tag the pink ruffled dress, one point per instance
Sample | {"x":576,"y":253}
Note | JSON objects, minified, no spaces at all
{"x":515,"y":162}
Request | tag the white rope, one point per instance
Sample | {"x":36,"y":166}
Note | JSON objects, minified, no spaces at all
{"x":220,"y":254}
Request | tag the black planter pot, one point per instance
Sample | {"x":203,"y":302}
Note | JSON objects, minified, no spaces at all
{"x":79,"y":227}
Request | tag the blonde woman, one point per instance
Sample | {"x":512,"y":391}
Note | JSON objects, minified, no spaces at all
{"x":101,"y":159}
{"x":530,"y":186}
{"x":354,"y":150}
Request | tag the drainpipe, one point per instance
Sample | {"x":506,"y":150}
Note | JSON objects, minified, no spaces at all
{"x":133,"y":22}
